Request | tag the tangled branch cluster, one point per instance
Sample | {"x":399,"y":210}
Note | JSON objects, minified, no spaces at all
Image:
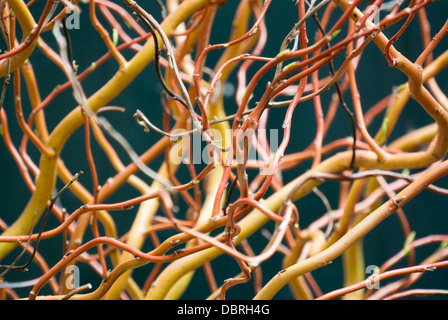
{"x":191,"y":213}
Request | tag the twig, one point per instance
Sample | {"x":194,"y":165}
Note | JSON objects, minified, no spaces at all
{"x":76,"y":291}
{"x":44,"y":222}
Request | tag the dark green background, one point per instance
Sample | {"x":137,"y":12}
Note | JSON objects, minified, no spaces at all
{"x":426,"y":213}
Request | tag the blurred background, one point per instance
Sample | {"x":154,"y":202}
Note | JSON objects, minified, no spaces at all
{"x":427,"y":213}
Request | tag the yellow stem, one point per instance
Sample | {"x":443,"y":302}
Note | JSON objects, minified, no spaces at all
{"x":27,"y":24}
{"x":123,"y":77}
